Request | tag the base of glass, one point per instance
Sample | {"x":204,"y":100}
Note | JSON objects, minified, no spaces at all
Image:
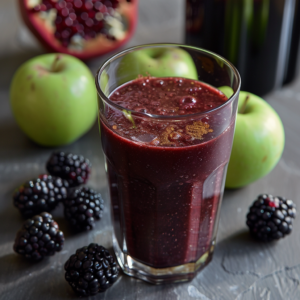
{"x":179,"y":273}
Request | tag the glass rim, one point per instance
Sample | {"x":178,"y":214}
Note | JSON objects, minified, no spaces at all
{"x":164,"y":117}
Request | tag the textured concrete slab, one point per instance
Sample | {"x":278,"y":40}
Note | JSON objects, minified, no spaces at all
{"x":241,"y":268}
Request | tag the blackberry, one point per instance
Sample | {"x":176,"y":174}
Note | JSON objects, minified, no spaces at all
{"x":271,"y":218}
{"x":91,"y":270}
{"x":74,"y":168}
{"x":39,"y":237}
{"x":82,"y":207}
{"x":41,"y":194}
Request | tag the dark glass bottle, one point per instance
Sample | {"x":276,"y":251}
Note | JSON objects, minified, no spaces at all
{"x":293,"y":68}
{"x":260,"y":37}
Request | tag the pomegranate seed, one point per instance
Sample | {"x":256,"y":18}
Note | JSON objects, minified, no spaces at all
{"x":77,"y":3}
{"x":65,"y":34}
{"x":69,"y":5}
{"x":103,"y":9}
{"x":108,"y":4}
{"x":84,"y":16}
{"x":58,"y":7}
{"x":98,"y":5}
{"x":99,"y":16}
{"x":62,"y":4}
{"x":88,"y":5}
{"x":68,"y":22}
{"x":89,"y":22}
{"x":73,"y":16}
{"x":64,"y":12}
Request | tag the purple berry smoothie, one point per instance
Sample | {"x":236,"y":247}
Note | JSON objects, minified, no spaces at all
{"x":166,"y":178}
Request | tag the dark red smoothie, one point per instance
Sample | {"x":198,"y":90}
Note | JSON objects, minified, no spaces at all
{"x":166,"y":176}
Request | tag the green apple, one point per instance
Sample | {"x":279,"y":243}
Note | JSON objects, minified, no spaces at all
{"x":226,"y":90}
{"x":258,"y":141}
{"x":157,"y":62}
{"x":53,"y":99}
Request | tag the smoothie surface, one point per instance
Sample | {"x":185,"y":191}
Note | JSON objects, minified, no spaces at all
{"x":165,"y":97}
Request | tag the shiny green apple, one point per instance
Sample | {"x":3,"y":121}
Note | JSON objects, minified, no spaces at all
{"x":157,"y":62}
{"x":258,"y":141}
{"x":53,"y":99}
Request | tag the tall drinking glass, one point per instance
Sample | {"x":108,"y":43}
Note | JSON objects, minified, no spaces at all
{"x":165,"y":171}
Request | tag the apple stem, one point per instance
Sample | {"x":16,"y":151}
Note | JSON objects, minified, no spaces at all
{"x":243,"y":108}
{"x":54,"y":64}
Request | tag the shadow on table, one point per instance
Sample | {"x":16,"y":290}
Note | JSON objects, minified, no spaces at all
{"x":59,"y":289}
{"x":242,"y":254}
{"x":16,"y":145}
{"x":46,"y":280}
{"x":10,"y":222}
{"x":14,"y":267}
{"x":243,"y":240}
{"x":12,"y":138}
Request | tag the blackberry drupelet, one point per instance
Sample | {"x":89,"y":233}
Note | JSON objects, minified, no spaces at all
{"x":39,"y":237}
{"x":82,"y":207}
{"x":41,"y":194}
{"x":271,"y":218}
{"x":74,"y":168}
{"x":91,"y":270}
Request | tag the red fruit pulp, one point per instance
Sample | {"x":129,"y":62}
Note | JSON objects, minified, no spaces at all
{"x":82,"y":28}
{"x":166,"y":178}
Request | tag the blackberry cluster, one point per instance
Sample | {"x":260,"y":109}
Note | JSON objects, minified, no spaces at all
{"x":83,"y":207}
{"x":91,"y":270}
{"x":74,"y":168}
{"x":41,"y":194}
{"x":271,"y":218}
{"x":39,"y":237}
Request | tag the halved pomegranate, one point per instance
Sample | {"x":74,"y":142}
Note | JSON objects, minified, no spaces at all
{"x":82,"y":28}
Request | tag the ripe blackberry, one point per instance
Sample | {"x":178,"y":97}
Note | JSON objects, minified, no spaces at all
{"x":39,"y":237}
{"x":91,"y":270}
{"x":82,"y":207}
{"x":41,"y":194}
{"x":271,"y":218}
{"x":74,"y":168}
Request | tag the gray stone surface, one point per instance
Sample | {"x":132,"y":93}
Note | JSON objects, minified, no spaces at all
{"x":241,"y":268}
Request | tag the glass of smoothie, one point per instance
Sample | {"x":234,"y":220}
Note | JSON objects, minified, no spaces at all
{"x":167,"y":116}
